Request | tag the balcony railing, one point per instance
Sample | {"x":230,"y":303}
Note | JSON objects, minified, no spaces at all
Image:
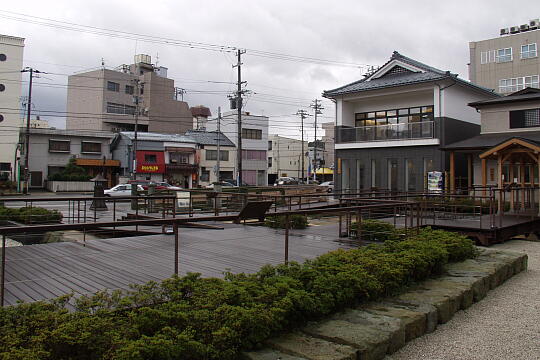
{"x":419,"y":130}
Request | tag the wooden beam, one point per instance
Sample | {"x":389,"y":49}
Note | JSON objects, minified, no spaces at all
{"x":452,"y":173}
{"x":509,"y":142}
{"x":469,"y":171}
{"x":484,"y":177}
{"x":500,"y":184}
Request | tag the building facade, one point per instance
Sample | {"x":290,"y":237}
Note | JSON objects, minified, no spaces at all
{"x":285,"y":158}
{"x":391,"y":125}
{"x":160,"y":157}
{"x":52,"y":149}
{"x":507,"y":63}
{"x":254,"y":144}
{"x":11,"y":64}
{"x":207,"y":155}
{"x":505,"y":153}
{"x":105,"y":100}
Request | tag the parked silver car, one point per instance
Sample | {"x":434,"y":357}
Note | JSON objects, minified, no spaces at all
{"x":329,"y":184}
{"x":121,"y":190}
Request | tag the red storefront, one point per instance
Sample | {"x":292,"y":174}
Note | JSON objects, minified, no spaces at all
{"x":151,"y":164}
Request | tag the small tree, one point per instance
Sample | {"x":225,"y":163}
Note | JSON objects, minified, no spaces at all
{"x":72,"y":172}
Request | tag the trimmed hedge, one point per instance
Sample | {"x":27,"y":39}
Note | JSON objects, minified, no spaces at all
{"x":376,"y":230}
{"x":208,"y":318}
{"x":295,"y":222}
{"x":26,"y":215}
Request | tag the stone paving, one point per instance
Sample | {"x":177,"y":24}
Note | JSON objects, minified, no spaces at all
{"x":505,"y":325}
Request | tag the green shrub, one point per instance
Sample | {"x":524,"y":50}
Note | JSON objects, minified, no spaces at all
{"x":295,"y":222}
{"x":208,"y":318}
{"x":71,"y":172}
{"x":26,"y":215}
{"x":376,"y":230}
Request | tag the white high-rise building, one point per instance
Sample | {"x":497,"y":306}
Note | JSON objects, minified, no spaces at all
{"x":11,"y":63}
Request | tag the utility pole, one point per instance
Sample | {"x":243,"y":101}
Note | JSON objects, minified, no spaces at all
{"x":239,"y":53}
{"x":316,"y":106}
{"x":218,"y":144}
{"x":27,"y":137}
{"x":138,"y":84}
{"x":303,"y":114}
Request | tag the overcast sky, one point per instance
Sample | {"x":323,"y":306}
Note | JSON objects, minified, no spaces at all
{"x":355,"y":32}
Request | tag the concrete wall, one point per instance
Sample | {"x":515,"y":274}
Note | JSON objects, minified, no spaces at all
{"x":209,"y":164}
{"x":12,"y":48}
{"x":40,"y":157}
{"x":496,"y":118}
{"x":489,"y":74}
{"x":455,"y":100}
{"x":285,"y":156}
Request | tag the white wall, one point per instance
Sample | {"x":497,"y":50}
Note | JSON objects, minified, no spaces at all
{"x":13,"y":48}
{"x":454,"y":103}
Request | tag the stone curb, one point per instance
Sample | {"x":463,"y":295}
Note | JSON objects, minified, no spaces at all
{"x":372,"y":330}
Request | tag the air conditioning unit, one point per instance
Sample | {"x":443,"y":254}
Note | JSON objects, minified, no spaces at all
{"x":534,"y":24}
{"x":524,"y":27}
{"x":514,"y":29}
{"x":505,"y":31}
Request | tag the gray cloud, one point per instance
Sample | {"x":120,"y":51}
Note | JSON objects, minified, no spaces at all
{"x":348,"y":31}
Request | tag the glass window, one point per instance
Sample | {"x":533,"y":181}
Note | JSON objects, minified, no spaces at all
{"x":391,"y":113}
{"x":380,"y":114}
{"x":269,"y":145}
{"x":129,"y":89}
{"x":373,"y":173}
{"x":205,"y":175}
{"x":150,"y":158}
{"x":253,"y":134}
{"x":528,"y":51}
{"x":410,"y":175}
{"x":269,"y":162}
{"x":59,"y":145}
{"x":503,"y":55}
{"x":91,"y":147}
{"x":361,"y":116}
{"x":524,"y":118}
{"x":112,"y":86}
{"x":403,"y":111}
{"x":371,"y":115}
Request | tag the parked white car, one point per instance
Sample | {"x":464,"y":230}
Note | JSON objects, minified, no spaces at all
{"x":121,"y":190}
{"x":330,"y":185}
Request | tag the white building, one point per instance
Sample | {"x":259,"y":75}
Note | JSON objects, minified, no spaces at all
{"x":285,"y":157}
{"x":11,"y":64}
{"x":254,"y":144}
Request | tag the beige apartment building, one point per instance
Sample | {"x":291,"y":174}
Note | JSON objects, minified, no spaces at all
{"x":285,"y":157}
{"x":507,"y":63}
{"x":104,"y":100}
{"x":11,"y":64}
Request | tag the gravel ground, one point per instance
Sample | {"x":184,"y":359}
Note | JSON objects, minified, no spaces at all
{"x":505,"y":325}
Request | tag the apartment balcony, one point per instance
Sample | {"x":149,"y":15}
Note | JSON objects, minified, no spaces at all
{"x":390,"y":132}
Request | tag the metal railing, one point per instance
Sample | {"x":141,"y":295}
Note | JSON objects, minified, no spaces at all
{"x":419,"y":130}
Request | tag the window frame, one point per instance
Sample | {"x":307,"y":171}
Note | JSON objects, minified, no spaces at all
{"x":397,"y":116}
{"x":83,"y":151}
{"x":529,"y":52}
{"x":131,"y":89}
{"x":518,"y":118}
{"x":113,"y":86}
{"x":64,"y":141}
{"x":507,"y":57}
{"x":251,"y":134}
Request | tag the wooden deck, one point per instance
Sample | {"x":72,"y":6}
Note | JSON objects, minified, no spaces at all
{"x":39,"y":272}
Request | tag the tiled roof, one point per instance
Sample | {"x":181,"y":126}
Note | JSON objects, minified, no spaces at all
{"x":149,"y":136}
{"x":485,"y":141}
{"x":515,"y":97}
{"x":427,"y":74}
{"x":209,"y":137}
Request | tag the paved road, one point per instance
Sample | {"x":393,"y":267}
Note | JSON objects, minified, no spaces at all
{"x":505,"y":325}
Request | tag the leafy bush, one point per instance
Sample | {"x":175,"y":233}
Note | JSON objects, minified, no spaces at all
{"x":295,"y":222}
{"x":28,"y":215}
{"x":208,"y":318}
{"x":71,"y":172}
{"x":376,"y":230}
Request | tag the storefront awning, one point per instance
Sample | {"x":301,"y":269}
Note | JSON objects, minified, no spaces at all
{"x":97,"y":162}
{"x":324,"y":171}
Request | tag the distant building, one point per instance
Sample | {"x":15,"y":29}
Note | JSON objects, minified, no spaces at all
{"x":37,"y":123}
{"x":160,"y":157}
{"x":285,"y":158}
{"x":507,"y":63}
{"x":104,"y":100}
{"x":328,"y":140}
{"x":207,"y":155}
{"x":254,"y":144}
{"x":11,"y":64}
{"x":200,"y":117}
{"x":51,"y":150}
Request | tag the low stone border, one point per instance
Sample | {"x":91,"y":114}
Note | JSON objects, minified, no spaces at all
{"x":375,"y":329}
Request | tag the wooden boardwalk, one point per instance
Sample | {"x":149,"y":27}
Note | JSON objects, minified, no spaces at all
{"x":39,"y":272}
